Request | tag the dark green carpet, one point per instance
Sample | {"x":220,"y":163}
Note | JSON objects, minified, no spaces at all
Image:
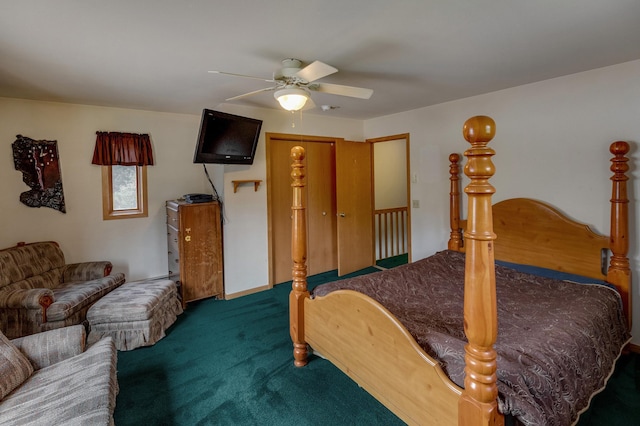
{"x":230,"y":363}
{"x":392,"y":262}
{"x":619,"y":403}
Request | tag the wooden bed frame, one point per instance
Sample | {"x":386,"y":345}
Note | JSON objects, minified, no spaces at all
{"x":369,"y":344}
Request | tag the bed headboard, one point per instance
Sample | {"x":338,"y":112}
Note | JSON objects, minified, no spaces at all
{"x":534,"y":233}
{"x":531,"y":232}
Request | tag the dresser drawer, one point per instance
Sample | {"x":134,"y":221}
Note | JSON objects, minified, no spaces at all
{"x":172,"y":217}
{"x":173,"y":264}
{"x":173,"y":251}
{"x":172,"y":241}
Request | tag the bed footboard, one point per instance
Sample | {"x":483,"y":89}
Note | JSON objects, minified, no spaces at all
{"x":367,"y":343}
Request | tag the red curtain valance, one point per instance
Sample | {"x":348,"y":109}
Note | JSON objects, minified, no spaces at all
{"x":122,"y":149}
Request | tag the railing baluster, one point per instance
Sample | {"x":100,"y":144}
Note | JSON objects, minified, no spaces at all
{"x":391,"y":232}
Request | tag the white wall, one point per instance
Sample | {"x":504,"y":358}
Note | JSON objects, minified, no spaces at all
{"x":390,"y":174}
{"x":552,"y":143}
{"x":138,"y":247}
{"x":245,"y":229}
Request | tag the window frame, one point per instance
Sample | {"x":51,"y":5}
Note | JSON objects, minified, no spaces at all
{"x":108,"y":212}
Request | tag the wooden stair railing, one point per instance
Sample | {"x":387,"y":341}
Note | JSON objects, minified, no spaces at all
{"x":390,"y":232}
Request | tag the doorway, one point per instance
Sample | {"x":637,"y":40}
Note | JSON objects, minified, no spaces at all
{"x":392,"y":198}
{"x":339,"y":200}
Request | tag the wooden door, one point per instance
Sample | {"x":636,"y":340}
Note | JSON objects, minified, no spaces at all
{"x":319,"y":199}
{"x":321,"y":208}
{"x":280,"y":199}
{"x":354,"y":197}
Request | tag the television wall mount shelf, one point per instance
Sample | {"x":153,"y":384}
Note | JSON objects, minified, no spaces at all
{"x":236,"y":183}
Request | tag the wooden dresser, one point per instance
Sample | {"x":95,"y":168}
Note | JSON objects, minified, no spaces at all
{"x":194,"y":242}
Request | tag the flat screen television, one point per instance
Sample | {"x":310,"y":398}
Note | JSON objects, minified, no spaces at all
{"x":226,"y":138}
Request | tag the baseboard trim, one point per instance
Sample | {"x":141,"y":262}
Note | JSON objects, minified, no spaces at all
{"x":246,"y":292}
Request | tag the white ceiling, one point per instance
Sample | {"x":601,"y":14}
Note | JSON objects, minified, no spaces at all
{"x":155,"y":54}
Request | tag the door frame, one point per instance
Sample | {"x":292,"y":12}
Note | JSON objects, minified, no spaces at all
{"x":406,"y":137}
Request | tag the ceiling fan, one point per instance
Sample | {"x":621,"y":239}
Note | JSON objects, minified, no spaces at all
{"x":292,"y":84}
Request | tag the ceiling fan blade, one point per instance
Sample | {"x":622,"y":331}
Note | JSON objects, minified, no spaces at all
{"x":315,"y":71}
{"x":270,"y":80}
{"x":309,"y":105}
{"x":252,"y":93}
{"x":338,"y":89}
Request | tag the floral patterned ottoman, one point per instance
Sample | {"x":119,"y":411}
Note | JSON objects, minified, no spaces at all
{"x":135,"y":314}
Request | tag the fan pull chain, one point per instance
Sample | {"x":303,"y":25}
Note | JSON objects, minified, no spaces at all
{"x":293,"y":122}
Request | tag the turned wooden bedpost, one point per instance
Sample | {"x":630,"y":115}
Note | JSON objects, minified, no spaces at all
{"x":455,"y":238}
{"x":299,"y":290}
{"x":619,"y":272}
{"x":478,"y":403}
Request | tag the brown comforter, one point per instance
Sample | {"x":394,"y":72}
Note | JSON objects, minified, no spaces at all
{"x":557,"y":341}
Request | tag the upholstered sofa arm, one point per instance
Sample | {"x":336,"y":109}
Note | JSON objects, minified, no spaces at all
{"x":50,"y":347}
{"x":86,"y":271}
{"x":32,"y":298}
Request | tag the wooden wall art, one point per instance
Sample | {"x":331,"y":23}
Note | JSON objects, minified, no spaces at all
{"x":38,"y":162}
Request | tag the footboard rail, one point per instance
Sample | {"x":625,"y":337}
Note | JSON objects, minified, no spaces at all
{"x":366,"y":342}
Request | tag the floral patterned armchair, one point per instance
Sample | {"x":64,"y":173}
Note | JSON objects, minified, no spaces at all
{"x":39,"y":291}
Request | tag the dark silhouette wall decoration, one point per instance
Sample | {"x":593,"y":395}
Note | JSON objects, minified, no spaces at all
{"x":39,"y":163}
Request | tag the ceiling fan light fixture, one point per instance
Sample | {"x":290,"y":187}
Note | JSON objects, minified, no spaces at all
{"x":292,"y":99}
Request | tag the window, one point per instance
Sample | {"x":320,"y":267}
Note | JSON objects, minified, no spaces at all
{"x":124,"y":158}
{"x":124,"y":192}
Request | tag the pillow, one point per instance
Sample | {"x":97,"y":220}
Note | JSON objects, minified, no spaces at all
{"x":15,"y":368}
{"x":550,"y":273}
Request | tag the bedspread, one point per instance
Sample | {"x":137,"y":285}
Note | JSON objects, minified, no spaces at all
{"x":557,"y":341}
